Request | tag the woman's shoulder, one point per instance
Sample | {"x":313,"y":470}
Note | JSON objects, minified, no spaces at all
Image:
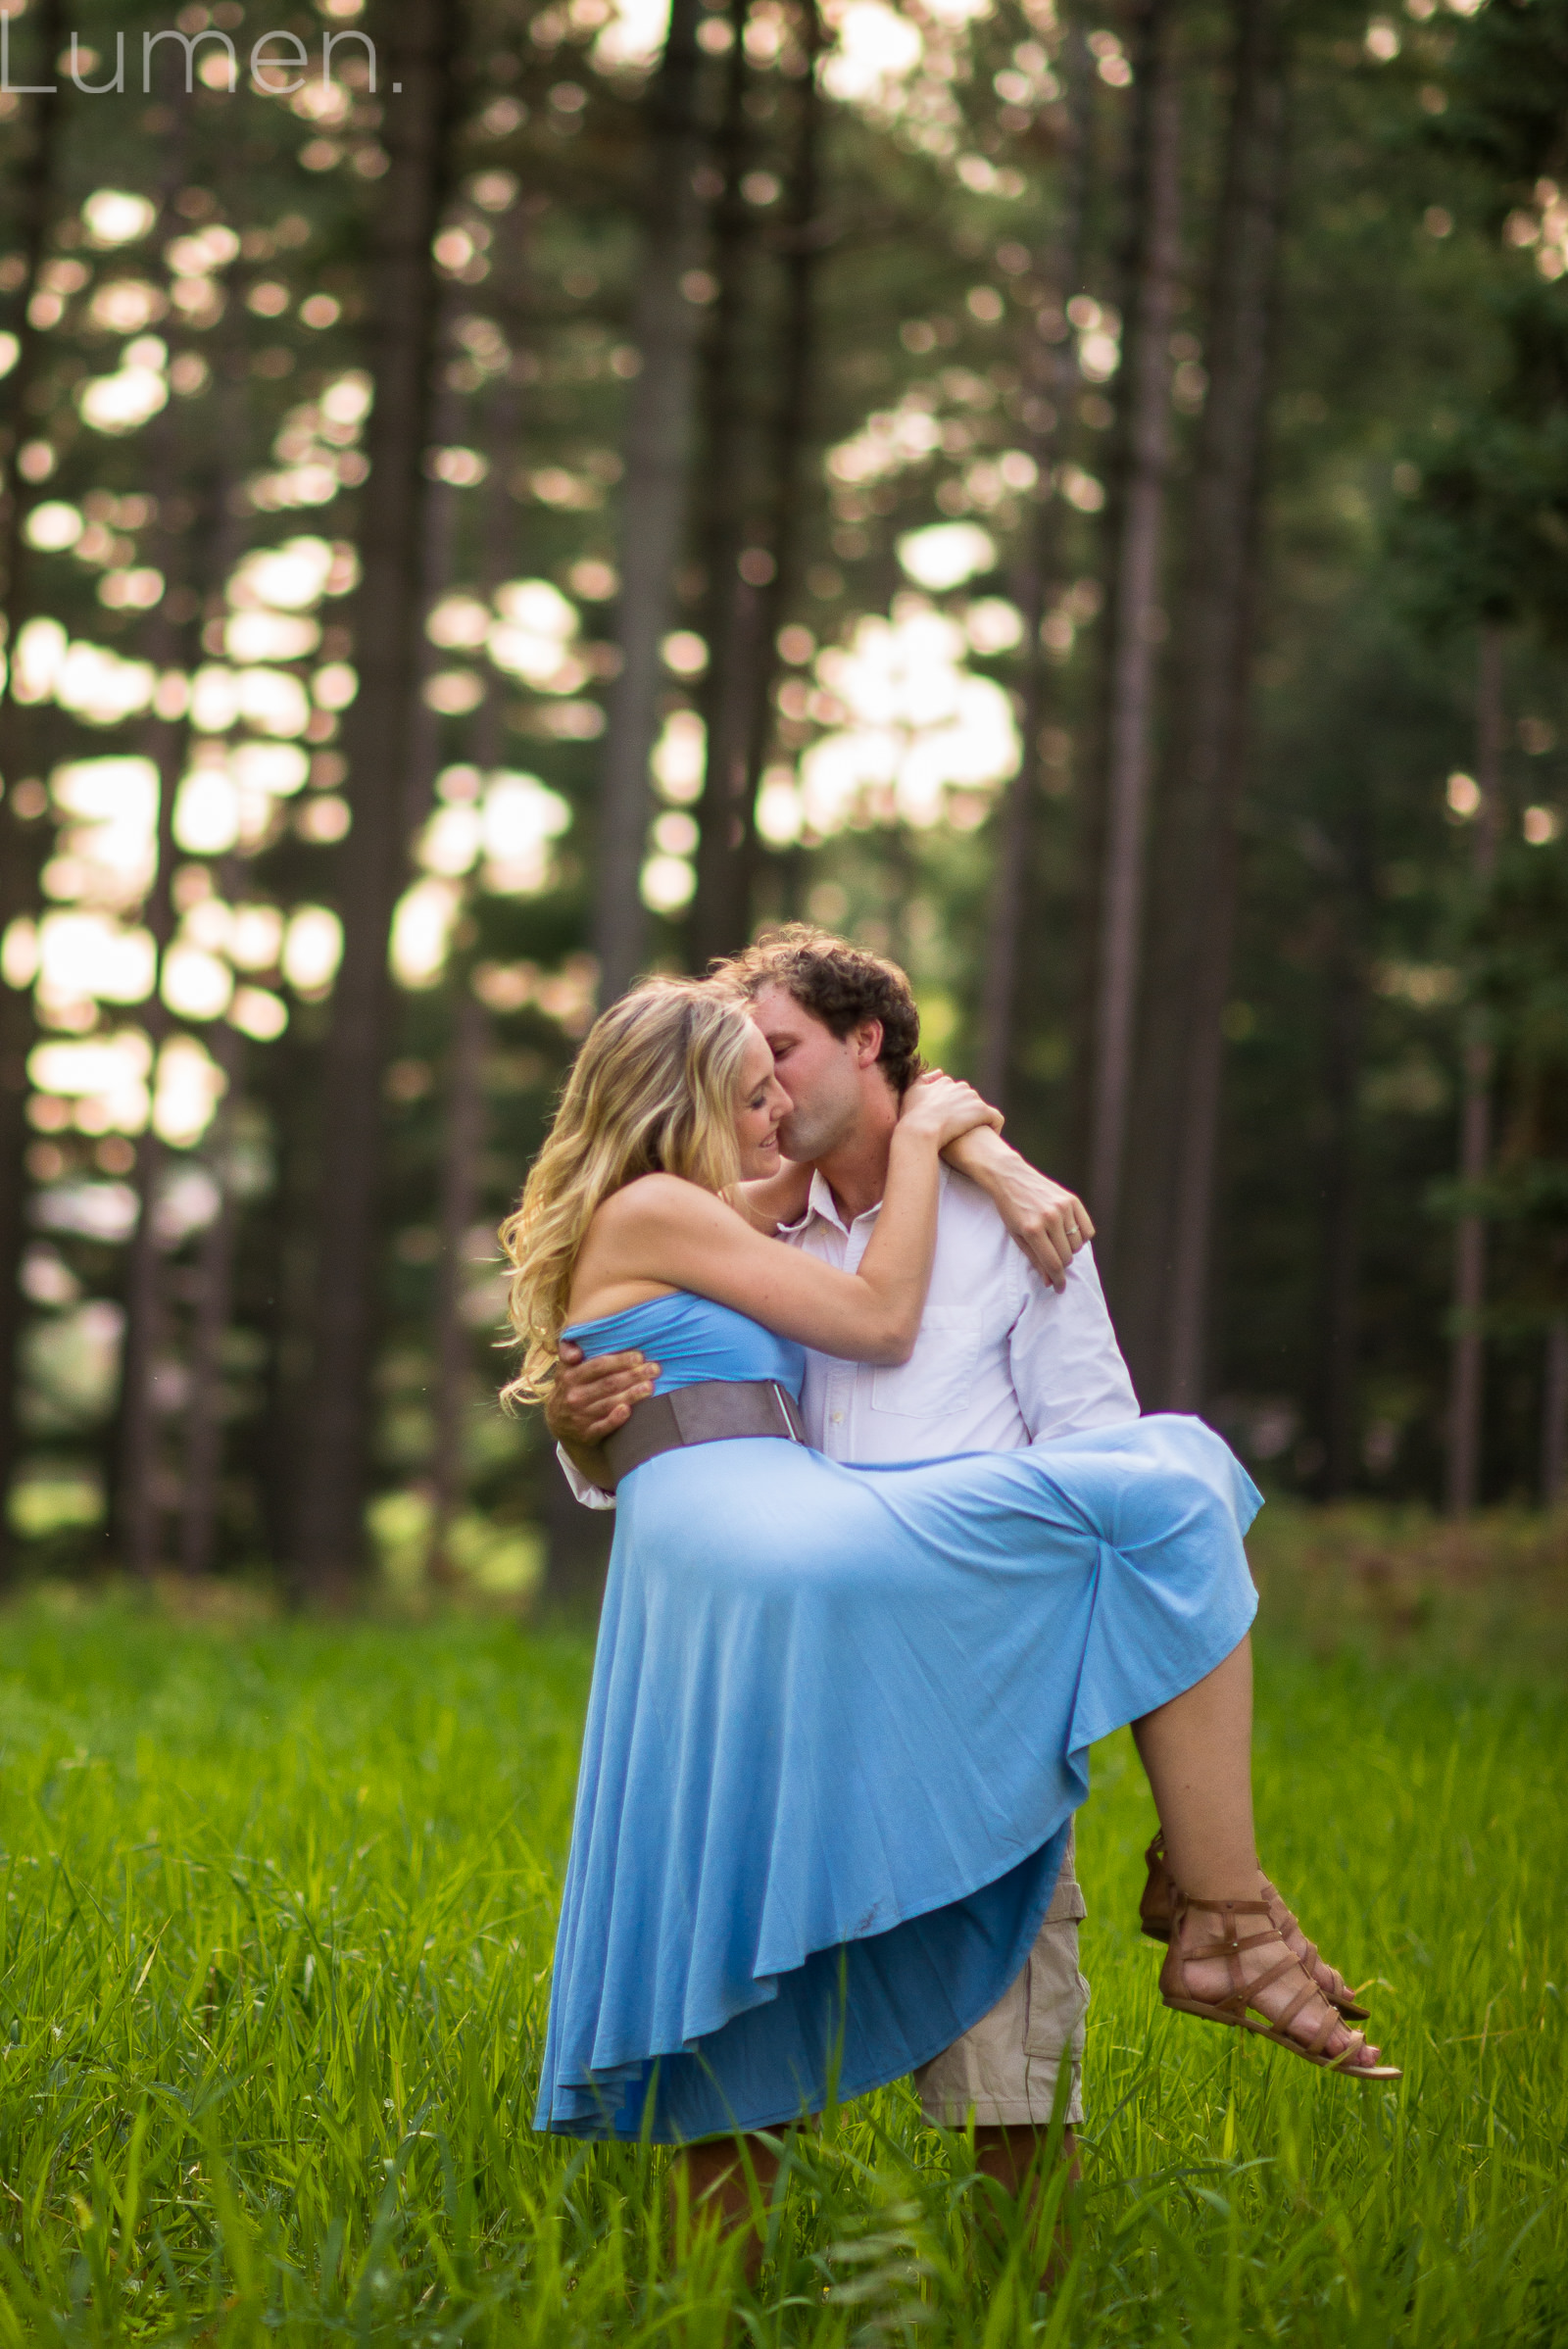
{"x":654,"y":1198}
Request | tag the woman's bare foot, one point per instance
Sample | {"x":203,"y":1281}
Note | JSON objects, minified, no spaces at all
{"x":1154,"y":1914}
{"x":1212,"y":1980}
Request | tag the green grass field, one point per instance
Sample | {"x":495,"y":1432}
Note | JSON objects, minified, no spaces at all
{"x":278,"y":1920}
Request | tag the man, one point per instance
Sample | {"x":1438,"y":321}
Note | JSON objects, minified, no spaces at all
{"x":1015,"y":1347}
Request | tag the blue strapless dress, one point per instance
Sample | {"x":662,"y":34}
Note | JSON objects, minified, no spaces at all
{"x":839,"y":1725}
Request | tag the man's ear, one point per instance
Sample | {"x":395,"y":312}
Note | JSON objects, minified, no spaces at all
{"x":866,"y":1040}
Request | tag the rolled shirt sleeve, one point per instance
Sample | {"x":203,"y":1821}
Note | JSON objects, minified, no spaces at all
{"x":592,"y":1497}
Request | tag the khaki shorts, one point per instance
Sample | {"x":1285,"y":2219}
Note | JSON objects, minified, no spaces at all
{"x":1007,"y":2067}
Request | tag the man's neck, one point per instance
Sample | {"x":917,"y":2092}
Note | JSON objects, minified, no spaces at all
{"x":856,"y":1171}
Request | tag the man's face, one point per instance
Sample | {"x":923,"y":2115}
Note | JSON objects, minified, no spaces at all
{"x":825,"y":1075}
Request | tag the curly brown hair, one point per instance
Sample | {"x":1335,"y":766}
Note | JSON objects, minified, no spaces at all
{"x":841,"y":985}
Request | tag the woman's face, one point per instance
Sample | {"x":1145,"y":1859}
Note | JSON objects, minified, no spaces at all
{"x":763,"y":1104}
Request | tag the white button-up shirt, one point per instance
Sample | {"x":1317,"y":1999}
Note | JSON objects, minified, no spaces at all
{"x":1002,"y":1359}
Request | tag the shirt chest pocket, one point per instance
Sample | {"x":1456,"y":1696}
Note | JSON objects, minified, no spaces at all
{"x":938,"y":1374}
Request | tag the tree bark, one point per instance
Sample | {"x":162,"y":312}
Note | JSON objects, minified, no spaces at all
{"x":503,"y":432}
{"x":795,"y":364}
{"x":20,"y":839}
{"x":329,"y":1528}
{"x":136,"y":1503}
{"x":654,"y":499}
{"x":1052,"y":369}
{"x":719,"y":920}
{"x":1462,"y":1481}
{"x":1555,"y":1415}
{"x":214,"y":1310}
{"x":1164,"y":1260}
{"x":1341,"y":1206}
{"x":464,"y":1140}
{"x":139,"y":1469}
{"x":1135,"y":604}
{"x":286,"y":1078}
{"x":438,"y":550}
{"x":138,"y":1480}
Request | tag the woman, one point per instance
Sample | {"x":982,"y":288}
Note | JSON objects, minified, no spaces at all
{"x":840,"y":1717}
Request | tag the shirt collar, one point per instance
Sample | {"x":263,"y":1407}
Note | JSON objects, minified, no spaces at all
{"x":820,"y":1201}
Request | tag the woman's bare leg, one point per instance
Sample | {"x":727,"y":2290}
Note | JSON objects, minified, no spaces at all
{"x":1197,"y":1752}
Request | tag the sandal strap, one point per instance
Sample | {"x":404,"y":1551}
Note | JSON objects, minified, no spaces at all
{"x":1303,"y":1997}
{"x":1221,"y":1908}
{"x":1310,"y":1955}
{"x":1214,"y":1950}
{"x":1262,"y":1981}
{"x":1244,"y":1993}
{"x":1330,"y":2024}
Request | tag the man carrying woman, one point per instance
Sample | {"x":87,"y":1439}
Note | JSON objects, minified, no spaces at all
{"x":840,"y":1714}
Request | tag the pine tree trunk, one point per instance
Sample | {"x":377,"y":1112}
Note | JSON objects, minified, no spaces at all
{"x":794,"y":370}
{"x":1221,"y":721}
{"x":1129,"y":747}
{"x":462,"y":1141}
{"x":719,"y":920}
{"x":21,"y":843}
{"x":653,"y":499}
{"x":214,"y":1311}
{"x":437,"y":569}
{"x":335,"y":1438}
{"x":1165,"y":1244}
{"x":1462,"y":1484}
{"x":140,"y":1472}
{"x":1051,"y":371}
{"x":1352,"y":909}
{"x":136,"y":1492}
{"x":502,"y":427}
{"x":1555,"y":1415}
{"x":1342,"y":1224}
{"x":287,"y":1081}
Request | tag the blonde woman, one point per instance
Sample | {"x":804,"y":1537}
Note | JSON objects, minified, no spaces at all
{"x":840,"y":1716}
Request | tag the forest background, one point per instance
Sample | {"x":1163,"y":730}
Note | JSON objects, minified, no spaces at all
{"x":499,"y":498}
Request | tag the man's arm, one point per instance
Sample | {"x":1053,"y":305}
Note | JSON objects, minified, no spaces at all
{"x":588,"y":1402}
{"x":1050,"y":1224}
{"x":1067,"y":1369}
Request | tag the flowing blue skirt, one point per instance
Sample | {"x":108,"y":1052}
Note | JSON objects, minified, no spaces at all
{"x":839,"y":1724}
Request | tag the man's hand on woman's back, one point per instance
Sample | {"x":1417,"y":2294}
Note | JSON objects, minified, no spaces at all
{"x":593,"y":1398}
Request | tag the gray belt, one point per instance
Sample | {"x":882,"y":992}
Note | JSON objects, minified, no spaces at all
{"x":709,"y":1412}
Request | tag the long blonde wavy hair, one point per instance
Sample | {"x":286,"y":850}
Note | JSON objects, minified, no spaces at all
{"x":654,"y":1090}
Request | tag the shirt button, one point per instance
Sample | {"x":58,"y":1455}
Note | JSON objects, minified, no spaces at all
{"x":838,"y":1419}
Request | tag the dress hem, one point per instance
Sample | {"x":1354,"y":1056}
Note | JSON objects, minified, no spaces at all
{"x":842,"y":2093}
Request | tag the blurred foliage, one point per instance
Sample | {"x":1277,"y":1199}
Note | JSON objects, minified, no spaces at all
{"x":1417,"y":477}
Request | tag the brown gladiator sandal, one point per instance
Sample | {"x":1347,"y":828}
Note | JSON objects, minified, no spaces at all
{"x":1153,"y":1916}
{"x":1232,"y":2010}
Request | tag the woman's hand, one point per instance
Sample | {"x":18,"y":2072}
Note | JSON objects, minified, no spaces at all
{"x":940,"y":1109}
